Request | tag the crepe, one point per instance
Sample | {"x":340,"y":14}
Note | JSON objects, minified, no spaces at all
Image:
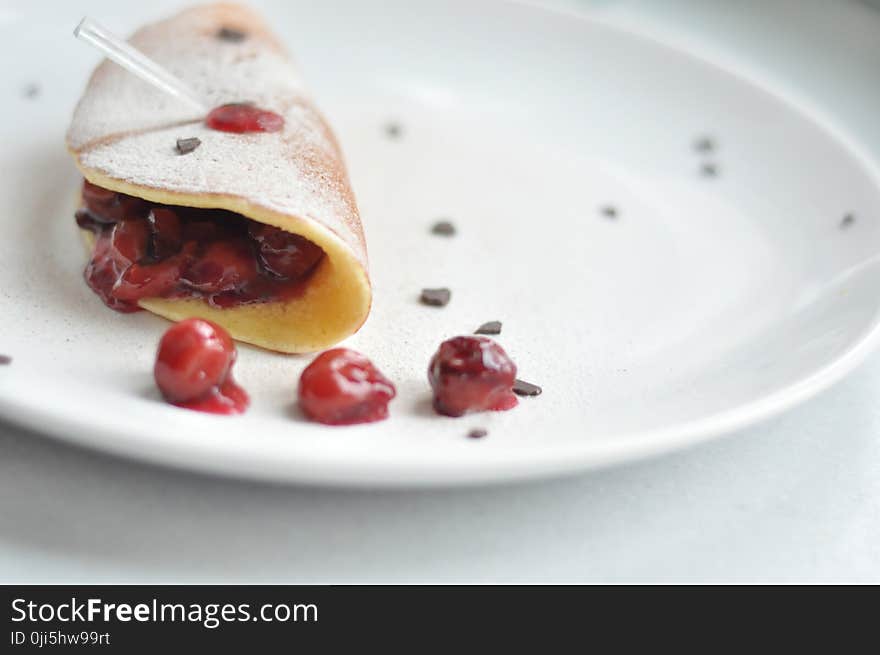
{"x":123,"y":137}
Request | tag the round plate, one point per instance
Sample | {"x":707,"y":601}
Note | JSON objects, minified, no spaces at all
{"x":661,"y":290}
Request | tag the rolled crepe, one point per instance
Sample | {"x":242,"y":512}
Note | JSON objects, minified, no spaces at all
{"x":123,"y":137}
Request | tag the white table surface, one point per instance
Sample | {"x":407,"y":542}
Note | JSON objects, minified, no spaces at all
{"x":793,"y":500}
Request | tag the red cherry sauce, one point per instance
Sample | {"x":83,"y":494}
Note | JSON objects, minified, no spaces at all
{"x":342,"y":387}
{"x":471,"y":374}
{"x":144,"y":250}
{"x":241,"y":117}
{"x":194,"y":368}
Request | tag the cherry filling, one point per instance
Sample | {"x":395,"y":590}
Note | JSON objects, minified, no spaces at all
{"x":144,"y":250}
{"x":342,"y":387}
{"x":471,"y":374}
{"x":194,"y":368}
{"x":241,"y":117}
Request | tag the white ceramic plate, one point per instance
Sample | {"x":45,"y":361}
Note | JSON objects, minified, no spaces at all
{"x":708,"y":303}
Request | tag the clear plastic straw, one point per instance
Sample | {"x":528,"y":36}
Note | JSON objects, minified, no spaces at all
{"x":135,"y":62}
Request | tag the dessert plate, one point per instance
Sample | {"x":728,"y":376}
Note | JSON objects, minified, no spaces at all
{"x":675,"y":251}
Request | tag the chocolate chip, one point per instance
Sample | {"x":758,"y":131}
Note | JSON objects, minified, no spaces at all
{"x":231,"y":35}
{"x":393,"y":130}
{"x":523,"y":388}
{"x":492,"y":327}
{"x":5,"y":360}
{"x":435,"y":297}
{"x":704,"y":144}
{"x":709,"y":170}
{"x":443,"y":228}
{"x":185,"y":146}
{"x":847,"y":221}
{"x":477,"y":433}
{"x":31,"y":91}
{"x":609,"y":211}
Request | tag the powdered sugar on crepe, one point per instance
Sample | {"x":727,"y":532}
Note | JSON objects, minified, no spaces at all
{"x":126,"y":129}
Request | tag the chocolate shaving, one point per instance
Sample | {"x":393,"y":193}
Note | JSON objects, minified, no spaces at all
{"x":31,"y":91}
{"x":477,"y":433}
{"x":435,"y":297}
{"x":185,"y":146}
{"x":609,"y":212}
{"x":231,"y":35}
{"x":5,"y":360}
{"x":709,"y":170}
{"x":847,"y":221}
{"x":492,"y":327}
{"x":393,"y":130}
{"x":704,"y":144}
{"x":523,"y":388}
{"x":443,"y":228}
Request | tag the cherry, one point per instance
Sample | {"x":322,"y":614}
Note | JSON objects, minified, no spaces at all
{"x":241,"y":117}
{"x":193,"y":368}
{"x":471,"y":374}
{"x":228,"y":398}
{"x":165,"y":233}
{"x":96,"y":195}
{"x":147,"y":280}
{"x":102,"y":273}
{"x":223,"y":266}
{"x":107,"y":206}
{"x":342,"y":387}
{"x":129,"y":240}
{"x":88,"y":221}
{"x":200,"y":231}
{"x":284,"y":254}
